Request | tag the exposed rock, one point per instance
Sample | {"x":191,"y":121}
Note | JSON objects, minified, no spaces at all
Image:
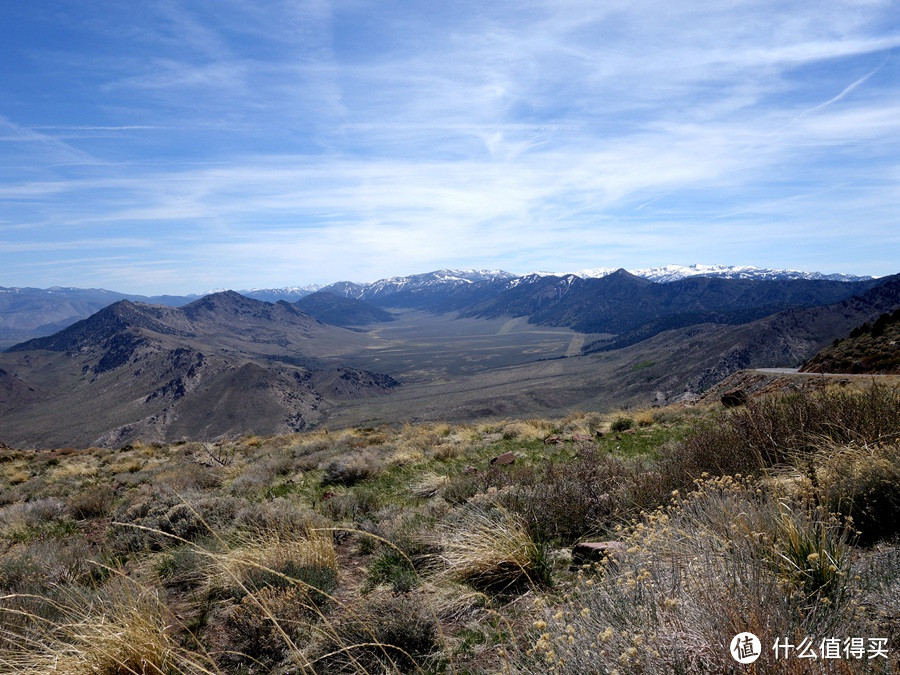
{"x":505,"y":459}
{"x":588,"y":552}
{"x":735,"y":398}
{"x":582,"y":438}
{"x":553,"y":439}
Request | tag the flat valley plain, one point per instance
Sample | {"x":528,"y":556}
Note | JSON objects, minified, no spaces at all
{"x":464,"y":369}
{"x":425,"y":347}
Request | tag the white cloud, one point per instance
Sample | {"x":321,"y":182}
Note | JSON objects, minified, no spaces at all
{"x":352,"y":139}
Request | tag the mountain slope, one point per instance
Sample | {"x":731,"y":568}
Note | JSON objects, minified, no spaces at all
{"x":869,"y":348}
{"x":224,"y":364}
{"x":416,"y":290}
{"x":341,"y":311}
{"x":789,"y":338}
{"x":621,"y":302}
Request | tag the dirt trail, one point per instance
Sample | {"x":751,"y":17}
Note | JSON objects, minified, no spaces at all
{"x":575,"y":345}
{"x":509,"y":325}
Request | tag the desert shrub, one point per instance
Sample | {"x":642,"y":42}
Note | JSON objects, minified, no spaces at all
{"x":386,"y":633}
{"x":561,"y":502}
{"x":462,"y":487}
{"x":265,"y":627}
{"x":408,"y":532}
{"x":621,"y":423}
{"x":57,"y":562}
{"x":526,"y":430}
{"x":350,"y":470}
{"x":142,"y":525}
{"x":878,"y":573}
{"x":728,"y":558}
{"x":18,"y":571}
{"x":276,"y":560}
{"x":353,"y":505}
{"x":395,"y":569}
{"x":312,"y":581}
{"x":185,"y":567}
{"x":32,"y":513}
{"x":428,"y":484}
{"x":778,"y":429}
{"x":161,"y":520}
{"x":191,"y":476}
{"x":862,"y":483}
{"x":47,"y":517}
{"x":94,"y":502}
{"x":262,"y":472}
{"x":492,"y":550}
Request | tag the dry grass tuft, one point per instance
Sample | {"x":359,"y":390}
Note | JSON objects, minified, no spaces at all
{"x":862,"y":483}
{"x":273,"y":559}
{"x":125,"y":631}
{"x":428,"y":485}
{"x":526,"y":430}
{"x":492,"y":550}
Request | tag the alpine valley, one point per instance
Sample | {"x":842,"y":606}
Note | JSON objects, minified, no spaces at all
{"x":95,"y":367}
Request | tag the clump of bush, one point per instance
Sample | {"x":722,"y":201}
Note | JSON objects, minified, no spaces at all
{"x":621,"y":423}
{"x":280,"y":515}
{"x":122,"y":629}
{"x":275,"y":560}
{"x":40,"y":517}
{"x":266,"y":628}
{"x":729,"y":557}
{"x":350,"y":470}
{"x":394,"y":569}
{"x":784,"y":430}
{"x":862,"y":483}
{"x":95,"y":502}
{"x":152,"y":521}
{"x":384,"y":633}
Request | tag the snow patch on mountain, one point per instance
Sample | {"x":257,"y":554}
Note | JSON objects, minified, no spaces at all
{"x":671,"y":273}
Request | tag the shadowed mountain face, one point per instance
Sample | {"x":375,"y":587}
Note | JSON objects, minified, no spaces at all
{"x":27,"y":312}
{"x":222,"y":365}
{"x":341,"y":311}
{"x":636,"y":309}
{"x":782,"y":339}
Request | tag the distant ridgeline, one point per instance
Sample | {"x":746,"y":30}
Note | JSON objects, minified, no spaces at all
{"x":870,"y":348}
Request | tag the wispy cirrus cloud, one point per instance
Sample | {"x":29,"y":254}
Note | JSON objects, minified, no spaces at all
{"x":319,"y":140}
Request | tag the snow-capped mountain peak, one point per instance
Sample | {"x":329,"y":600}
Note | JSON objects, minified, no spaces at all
{"x":669,"y":273}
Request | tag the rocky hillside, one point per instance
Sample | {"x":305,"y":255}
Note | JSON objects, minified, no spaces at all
{"x":870,"y":348}
{"x":222,"y":365}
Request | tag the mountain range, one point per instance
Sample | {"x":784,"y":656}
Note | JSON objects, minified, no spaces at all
{"x":32,"y":312}
{"x":226,"y":364}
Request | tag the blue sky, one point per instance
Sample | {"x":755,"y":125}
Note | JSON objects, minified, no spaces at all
{"x":180,"y":145}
